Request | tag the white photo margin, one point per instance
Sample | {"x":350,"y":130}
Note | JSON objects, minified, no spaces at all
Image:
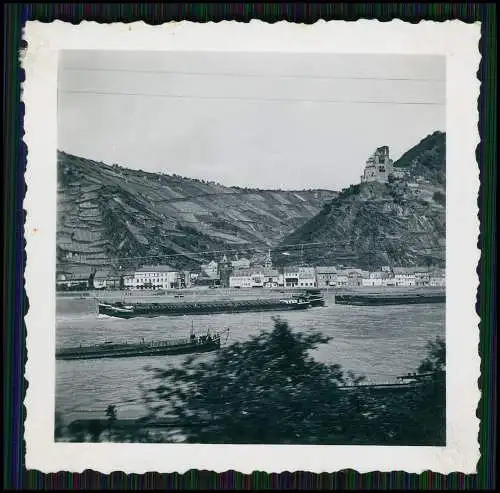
{"x":455,"y":40}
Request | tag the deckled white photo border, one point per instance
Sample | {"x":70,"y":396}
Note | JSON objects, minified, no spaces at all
{"x":455,"y":40}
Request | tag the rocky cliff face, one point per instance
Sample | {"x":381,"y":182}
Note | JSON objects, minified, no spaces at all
{"x":370,"y":225}
{"x":114,"y":216}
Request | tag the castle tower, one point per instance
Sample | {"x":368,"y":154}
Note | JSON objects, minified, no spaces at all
{"x":378,"y":166}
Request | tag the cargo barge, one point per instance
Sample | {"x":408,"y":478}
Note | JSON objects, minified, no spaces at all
{"x":121,"y":310}
{"x":193,"y":344}
{"x":388,"y":299}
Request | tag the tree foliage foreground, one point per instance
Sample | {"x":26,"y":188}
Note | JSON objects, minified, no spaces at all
{"x":270,"y":390}
{"x":265,"y":390}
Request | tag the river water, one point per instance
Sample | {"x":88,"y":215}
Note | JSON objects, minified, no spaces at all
{"x":380,"y":343}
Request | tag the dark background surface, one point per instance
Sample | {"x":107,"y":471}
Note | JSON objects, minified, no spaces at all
{"x":15,"y":15}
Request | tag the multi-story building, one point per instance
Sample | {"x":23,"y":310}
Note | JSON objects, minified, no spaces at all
{"x":79,"y":280}
{"x":404,"y":276}
{"x":100,"y":280}
{"x":376,"y":278}
{"x":272,"y":278}
{"x":128,"y":280}
{"x":291,"y":277}
{"x":422,"y":276}
{"x":155,"y":277}
{"x":354,"y":277}
{"x":378,"y":167}
{"x":437,"y":278}
{"x":390,"y":281}
{"x":437,"y":281}
{"x":113,"y":281}
{"x":255,"y":278}
{"x":325,"y":276}
{"x":341,"y":279}
{"x":307,"y":277}
{"x":241,"y":278}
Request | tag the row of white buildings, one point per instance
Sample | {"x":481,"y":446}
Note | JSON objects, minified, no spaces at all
{"x":387,"y":276}
{"x":164,"y":277}
{"x":302,"y":277}
{"x":147,"y":277}
{"x":155,"y":277}
{"x":324,"y":277}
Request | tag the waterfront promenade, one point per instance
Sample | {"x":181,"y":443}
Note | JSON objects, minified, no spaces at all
{"x":192,"y":294}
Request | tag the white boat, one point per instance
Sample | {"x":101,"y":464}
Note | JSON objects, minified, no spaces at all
{"x":116,"y":309}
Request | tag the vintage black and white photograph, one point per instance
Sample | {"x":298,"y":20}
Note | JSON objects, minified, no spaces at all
{"x":235,"y":250}
{"x":251,"y":248}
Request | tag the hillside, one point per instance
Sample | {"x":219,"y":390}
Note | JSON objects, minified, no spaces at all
{"x":108,"y":214}
{"x":373,"y":224}
{"x":427,"y":158}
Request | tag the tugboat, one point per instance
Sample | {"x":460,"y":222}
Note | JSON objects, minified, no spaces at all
{"x":315,"y":297}
{"x":117,"y":309}
{"x":296,"y":303}
{"x":312,"y":296}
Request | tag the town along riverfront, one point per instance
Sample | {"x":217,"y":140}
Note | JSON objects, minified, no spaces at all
{"x":381,"y":343}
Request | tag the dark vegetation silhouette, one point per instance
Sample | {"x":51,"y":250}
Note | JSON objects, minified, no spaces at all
{"x":270,"y":390}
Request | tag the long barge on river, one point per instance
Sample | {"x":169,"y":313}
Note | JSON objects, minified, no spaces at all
{"x":121,"y":310}
{"x":193,"y":344}
{"x":390,"y":299}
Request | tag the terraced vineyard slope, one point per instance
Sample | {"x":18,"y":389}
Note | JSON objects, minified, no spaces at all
{"x":113,"y":216}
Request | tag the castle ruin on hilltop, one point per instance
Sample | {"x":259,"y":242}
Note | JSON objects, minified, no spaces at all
{"x":378,"y":166}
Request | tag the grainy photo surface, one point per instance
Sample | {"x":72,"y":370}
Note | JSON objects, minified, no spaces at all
{"x":251,"y":248}
{"x":256,"y":255}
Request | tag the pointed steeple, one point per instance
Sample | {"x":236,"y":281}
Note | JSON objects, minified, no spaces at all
{"x":268,"y":262}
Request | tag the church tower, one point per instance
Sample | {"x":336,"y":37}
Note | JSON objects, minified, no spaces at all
{"x":225,"y":270}
{"x":268,"y":263}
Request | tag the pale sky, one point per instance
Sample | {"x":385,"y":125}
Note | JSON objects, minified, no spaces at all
{"x":289,"y":121}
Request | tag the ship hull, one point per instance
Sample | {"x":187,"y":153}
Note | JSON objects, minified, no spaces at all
{"x":379,"y":300}
{"x":137,"y":350}
{"x":186,"y":308}
{"x":317,"y":302}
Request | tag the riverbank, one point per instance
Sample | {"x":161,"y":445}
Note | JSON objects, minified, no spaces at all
{"x":189,"y":294}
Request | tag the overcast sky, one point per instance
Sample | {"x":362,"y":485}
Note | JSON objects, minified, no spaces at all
{"x":289,"y":121}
